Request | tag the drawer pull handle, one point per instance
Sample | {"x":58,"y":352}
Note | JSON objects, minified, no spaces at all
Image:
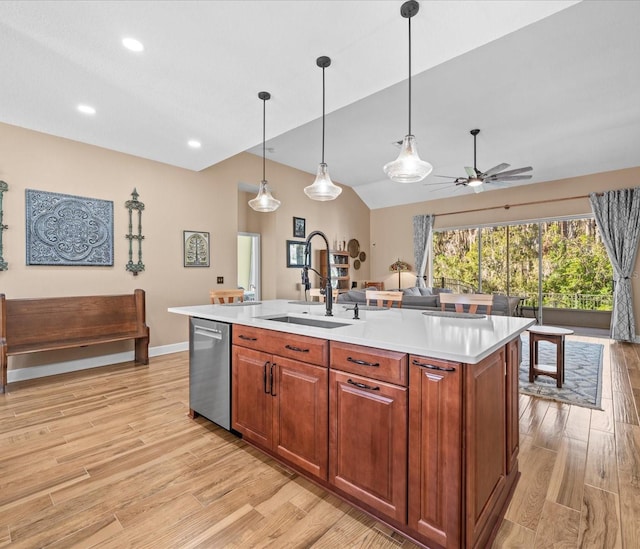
{"x":362,"y":385}
{"x":247,"y":338}
{"x":264,"y":379}
{"x":296,"y":349}
{"x":271,"y":380}
{"x":433,"y":366}
{"x":363,"y":362}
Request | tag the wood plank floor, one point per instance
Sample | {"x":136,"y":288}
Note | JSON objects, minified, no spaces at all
{"x":109,"y":458}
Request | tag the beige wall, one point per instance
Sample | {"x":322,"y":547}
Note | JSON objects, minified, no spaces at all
{"x":391,"y":228}
{"x":175,"y":200}
{"x":346,"y":217}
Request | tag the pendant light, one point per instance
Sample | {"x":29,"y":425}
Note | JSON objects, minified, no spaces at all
{"x":323,"y":188}
{"x":408,"y":168}
{"x":264,"y":202}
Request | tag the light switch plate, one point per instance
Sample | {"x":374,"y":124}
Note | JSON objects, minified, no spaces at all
{"x":221,"y":280}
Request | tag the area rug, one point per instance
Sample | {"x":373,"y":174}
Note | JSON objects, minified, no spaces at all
{"x":582,"y":371}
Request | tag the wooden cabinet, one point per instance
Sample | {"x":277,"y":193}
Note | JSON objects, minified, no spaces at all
{"x":368,"y":427}
{"x":460,"y":419}
{"x":485,"y":446}
{"x":513,"y":402}
{"x":279,"y":403}
{"x":435,"y":450}
{"x":252,"y":408}
{"x":429,"y":446}
{"x":339,"y":262}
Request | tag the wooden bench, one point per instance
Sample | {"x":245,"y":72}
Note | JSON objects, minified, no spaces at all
{"x":52,"y":323}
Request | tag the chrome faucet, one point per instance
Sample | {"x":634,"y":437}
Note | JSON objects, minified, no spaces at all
{"x":328,"y":298}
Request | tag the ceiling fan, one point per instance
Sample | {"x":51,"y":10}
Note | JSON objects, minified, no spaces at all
{"x":476,"y":178}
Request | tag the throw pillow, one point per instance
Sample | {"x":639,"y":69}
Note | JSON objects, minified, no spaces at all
{"x":412,"y":291}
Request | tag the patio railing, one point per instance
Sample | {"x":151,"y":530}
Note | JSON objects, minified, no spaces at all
{"x":584,"y":302}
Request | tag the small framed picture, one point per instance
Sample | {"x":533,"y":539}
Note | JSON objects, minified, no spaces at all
{"x":295,"y":253}
{"x":196,"y":249}
{"x":299,"y":230}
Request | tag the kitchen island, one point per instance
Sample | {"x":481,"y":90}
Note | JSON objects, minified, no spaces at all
{"x":411,"y":417}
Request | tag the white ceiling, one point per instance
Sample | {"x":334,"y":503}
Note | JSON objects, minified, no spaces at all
{"x":551,"y":84}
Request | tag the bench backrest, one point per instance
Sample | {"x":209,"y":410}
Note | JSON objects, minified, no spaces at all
{"x":38,"y":321}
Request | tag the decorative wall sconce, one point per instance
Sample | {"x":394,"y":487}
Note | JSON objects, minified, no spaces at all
{"x":135,"y":204}
{"x":3,"y":264}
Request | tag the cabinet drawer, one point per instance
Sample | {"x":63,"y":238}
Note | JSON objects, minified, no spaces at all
{"x":433,"y":364}
{"x":297,"y":347}
{"x":378,"y":364}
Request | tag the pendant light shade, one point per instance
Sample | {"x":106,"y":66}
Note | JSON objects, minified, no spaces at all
{"x":264,"y":202}
{"x":323,"y":188}
{"x":408,"y":167}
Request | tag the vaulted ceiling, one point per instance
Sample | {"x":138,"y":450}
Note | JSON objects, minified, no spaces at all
{"x":551,"y":84}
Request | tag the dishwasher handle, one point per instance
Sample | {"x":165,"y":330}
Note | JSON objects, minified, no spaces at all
{"x":208,"y":332}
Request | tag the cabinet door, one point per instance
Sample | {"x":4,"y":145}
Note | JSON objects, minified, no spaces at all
{"x":368,"y":442}
{"x":435,"y":450}
{"x":485,"y":444}
{"x":252,"y":402}
{"x":513,"y":415}
{"x":301,"y":415}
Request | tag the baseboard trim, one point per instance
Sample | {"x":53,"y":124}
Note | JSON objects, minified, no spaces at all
{"x":23,"y":374}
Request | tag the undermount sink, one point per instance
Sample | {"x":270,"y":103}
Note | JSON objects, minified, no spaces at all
{"x":307,"y":321}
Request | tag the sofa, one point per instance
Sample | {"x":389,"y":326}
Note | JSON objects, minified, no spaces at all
{"x":427,"y":299}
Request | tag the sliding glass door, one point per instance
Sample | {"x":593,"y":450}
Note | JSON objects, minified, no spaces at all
{"x":559,"y":264}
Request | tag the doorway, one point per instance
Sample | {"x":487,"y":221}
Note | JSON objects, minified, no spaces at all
{"x":249,"y":265}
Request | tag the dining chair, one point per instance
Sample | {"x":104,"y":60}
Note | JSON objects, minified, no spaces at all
{"x":471,"y":301}
{"x":315,"y":292}
{"x":384,"y":296}
{"x":226,"y":296}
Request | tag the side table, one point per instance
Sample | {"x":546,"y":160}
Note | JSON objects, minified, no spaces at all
{"x":554,"y":335}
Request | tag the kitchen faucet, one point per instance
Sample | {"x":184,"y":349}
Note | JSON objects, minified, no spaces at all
{"x":328,"y":298}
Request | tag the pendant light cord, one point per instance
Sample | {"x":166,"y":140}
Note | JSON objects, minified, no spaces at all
{"x":323,"y":115}
{"x":474,"y":155}
{"x":409,"y":18}
{"x":264,"y":123}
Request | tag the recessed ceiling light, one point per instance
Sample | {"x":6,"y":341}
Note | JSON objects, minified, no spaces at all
{"x":133,"y":44}
{"x":194,"y":143}
{"x":86,"y":109}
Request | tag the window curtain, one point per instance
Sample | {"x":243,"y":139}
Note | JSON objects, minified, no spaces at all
{"x":617,"y":215}
{"x":422,"y":227}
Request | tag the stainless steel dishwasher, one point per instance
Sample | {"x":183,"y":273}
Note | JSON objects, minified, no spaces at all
{"x":210,"y":370}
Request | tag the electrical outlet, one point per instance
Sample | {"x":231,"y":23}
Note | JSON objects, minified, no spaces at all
{"x":221,"y":280}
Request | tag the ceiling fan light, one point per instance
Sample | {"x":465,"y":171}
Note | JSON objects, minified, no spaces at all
{"x":408,"y":168}
{"x":474,"y":182}
{"x":323,"y":188}
{"x":264,"y":202}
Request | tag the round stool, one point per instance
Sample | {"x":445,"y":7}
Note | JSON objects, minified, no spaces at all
{"x":553,"y":335}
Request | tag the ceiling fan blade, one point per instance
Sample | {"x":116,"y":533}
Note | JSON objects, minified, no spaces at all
{"x":500,"y":177}
{"x":515,"y":172}
{"x":470,"y":171}
{"x":448,"y":176}
{"x":496,"y":169}
{"x":437,"y":186}
{"x":478,"y":188}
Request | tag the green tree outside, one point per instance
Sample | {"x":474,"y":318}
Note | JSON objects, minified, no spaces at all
{"x":576,"y":271}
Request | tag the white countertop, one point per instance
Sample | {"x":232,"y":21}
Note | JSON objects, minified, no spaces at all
{"x":406,"y":330}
